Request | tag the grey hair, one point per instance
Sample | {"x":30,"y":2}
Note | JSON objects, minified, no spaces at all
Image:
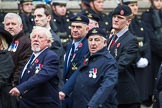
{"x":46,"y":31}
{"x":13,"y":15}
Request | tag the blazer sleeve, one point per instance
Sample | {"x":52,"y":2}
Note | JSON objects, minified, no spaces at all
{"x":49,"y":70}
{"x":128,"y":55}
{"x":69,"y":85}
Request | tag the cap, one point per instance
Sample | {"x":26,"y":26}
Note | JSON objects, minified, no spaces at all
{"x":92,"y":16}
{"x":86,"y":1}
{"x":59,"y":2}
{"x":122,"y":10}
{"x":80,"y":18}
{"x":96,"y":31}
{"x":129,"y":1}
{"x":22,"y":1}
{"x":6,"y":35}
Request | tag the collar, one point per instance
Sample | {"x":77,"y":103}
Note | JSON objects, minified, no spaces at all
{"x":77,"y":43}
{"x":120,"y":33}
{"x":20,"y":34}
{"x":38,"y":53}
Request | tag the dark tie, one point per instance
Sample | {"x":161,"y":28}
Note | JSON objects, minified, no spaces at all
{"x":26,"y":72}
{"x":72,"y":49}
{"x":71,"y":54}
{"x":114,"y":37}
{"x":30,"y":61}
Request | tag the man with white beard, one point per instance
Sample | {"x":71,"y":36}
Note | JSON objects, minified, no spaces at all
{"x":38,"y":86}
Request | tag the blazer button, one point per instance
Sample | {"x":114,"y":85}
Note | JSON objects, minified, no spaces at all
{"x":100,"y":106}
{"x":20,"y":97}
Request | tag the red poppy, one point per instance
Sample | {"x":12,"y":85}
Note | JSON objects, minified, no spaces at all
{"x":36,"y":60}
{"x":118,"y":45}
{"x":16,"y":42}
{"x":40,"y":65}
{"x":80,"y":45}
{"x":85,"y":61}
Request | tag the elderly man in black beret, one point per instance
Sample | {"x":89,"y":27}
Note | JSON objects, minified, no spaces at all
{"x":123,"y":46}
{"x":93,"y":84}
{"x":77,"y":48}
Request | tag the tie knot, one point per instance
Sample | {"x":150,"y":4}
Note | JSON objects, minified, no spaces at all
{"x":32,"y":56}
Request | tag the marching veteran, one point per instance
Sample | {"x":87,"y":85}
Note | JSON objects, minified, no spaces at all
{"x":38,"y":86}
{"x":93,"y":85}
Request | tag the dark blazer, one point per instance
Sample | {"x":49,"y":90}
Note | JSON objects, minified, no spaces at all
{"x":99,"y":91}
{"x":39,"y":85}
{"x":77,"y":60}
{"x":125,"y":52}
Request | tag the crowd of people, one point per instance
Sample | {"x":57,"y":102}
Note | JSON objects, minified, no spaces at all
{"x":54,"y":58}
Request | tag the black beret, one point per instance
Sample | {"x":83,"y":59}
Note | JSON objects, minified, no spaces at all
{"x":80,"y":18}
{"x":92,"y":16}
{"x":126,"y":2}
{"x":122,"y":10}
{"x":22,"y":1}
{"x":96,"y":31}
{"x":59,"y":2}
{"x":86,"y":2}
{"x":6,"y":35}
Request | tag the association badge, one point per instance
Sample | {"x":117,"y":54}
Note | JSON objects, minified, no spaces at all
{"x":74,"y":66}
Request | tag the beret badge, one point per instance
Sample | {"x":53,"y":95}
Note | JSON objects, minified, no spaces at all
{"x":94,"y":31}
{"x":89,"y":15}
{"x":79,"y":18}
{"x":122,"y":12}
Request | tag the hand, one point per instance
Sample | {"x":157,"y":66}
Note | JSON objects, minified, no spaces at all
{"x":14,"y":92}
{"x":142,"y":63}
{"x":62,"y":95}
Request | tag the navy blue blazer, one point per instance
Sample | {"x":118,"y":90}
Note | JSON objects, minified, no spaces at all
{"x":39,"y":87}
{"x":79,"y":53}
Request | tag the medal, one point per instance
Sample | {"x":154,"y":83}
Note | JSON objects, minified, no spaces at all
{"x":74,"y":66}
{"x":93,"y":73}
{"x":94,"y":76}
{"x":38,"y":68}
{"x":116,"y":52}
{"x":90,"y":75}
{"x":36,"y":71}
